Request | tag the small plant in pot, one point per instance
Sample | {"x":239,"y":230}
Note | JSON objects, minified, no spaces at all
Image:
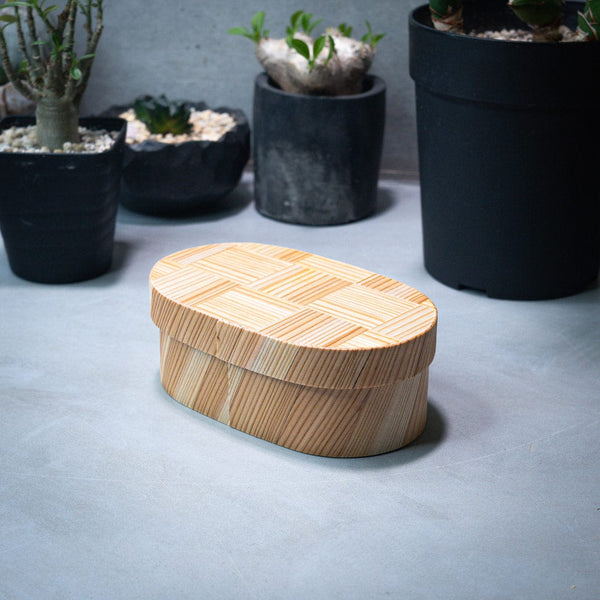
{"x":318,"y":122}
{"x":503,"y":93}
{"x":180,"y":156}
{"x":59,"y":174}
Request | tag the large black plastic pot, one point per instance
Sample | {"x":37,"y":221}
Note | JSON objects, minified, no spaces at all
{"x":58,"y":211}
{"x":171,"y":179}
{"x":510,"y":204}
{"x":316,"y":158}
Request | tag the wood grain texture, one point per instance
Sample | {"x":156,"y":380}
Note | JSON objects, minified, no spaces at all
{"x":303,"y":351}
{"x":325,"y":422}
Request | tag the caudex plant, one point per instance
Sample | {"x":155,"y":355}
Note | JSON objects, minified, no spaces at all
{"x":330,"y":64}
{"x":544,"y":17}
{"x":51,"y":74}
{"x":161,"y":115}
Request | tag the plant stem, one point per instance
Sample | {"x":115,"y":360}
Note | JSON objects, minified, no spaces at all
{"x":57,"y":122}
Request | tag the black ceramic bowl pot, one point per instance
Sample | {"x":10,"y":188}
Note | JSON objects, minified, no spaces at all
{"x":171,"y":179}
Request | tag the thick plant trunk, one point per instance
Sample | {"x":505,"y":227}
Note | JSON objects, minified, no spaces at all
{"x":341,"y":75}
{"x":57,"y":122}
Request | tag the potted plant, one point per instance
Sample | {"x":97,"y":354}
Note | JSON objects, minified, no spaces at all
{"x":180,"y":156}
{"x":59,"y":174}
{"x":509,"y":205}
{"x":318,"y":122}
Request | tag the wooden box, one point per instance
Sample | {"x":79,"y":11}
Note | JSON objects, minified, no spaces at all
{"x":306,"y":352}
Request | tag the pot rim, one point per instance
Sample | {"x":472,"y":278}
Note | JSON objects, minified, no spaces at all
{"x":378,"y":86}
{"x":527,"y":75}
{"x":415,"y":19}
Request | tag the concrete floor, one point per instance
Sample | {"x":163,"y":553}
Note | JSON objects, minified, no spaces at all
{"x":109,"y":489}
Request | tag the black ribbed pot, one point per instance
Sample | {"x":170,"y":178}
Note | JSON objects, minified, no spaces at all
{"x":510,"y":204}
{"x":173,"y":179}
{"x":58,"y":211}
{"x":316,"y":158}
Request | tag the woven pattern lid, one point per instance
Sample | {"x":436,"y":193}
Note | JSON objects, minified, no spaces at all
{"x":293,"y":315}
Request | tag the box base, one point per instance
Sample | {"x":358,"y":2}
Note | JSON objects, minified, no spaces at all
{"x":324,"y":422}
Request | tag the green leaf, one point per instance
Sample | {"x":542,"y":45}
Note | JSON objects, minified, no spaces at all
{"x":345,"y":30}
{"x":301,"y":48}
{"x":253,"y":37}
{"x":312,"y":26}
{"x":8,"y":18}
{"x":331,"y":48}
{"x":239,"y":31}
{"x":318,"y":46}
{"x":537,"y":12}
{"x":294,"y":20}
{"x":76,"y":73}
{"x":56,"y":40}
{"x":371,"y":38}
{"x":589,"y":20}
{"x":14,"y":4}
{"x":443,"y":8}
{"x":305,"y":21}
{"x":376,"y":39}
{"x":46,"y":12}
{"x":257,"y":21}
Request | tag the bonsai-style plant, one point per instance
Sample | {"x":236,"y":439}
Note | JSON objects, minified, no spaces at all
{"x":544,"y":17}
{"x":503,"y":93}
{"x":319,"y":119}
{"x":331,"y":64}
{"x":59,"y":192}
{"x":52,"y":74}
{"x":180,"y":156}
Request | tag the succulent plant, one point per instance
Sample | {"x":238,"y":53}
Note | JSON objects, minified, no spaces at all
{"x":446,"y":15}
{"x":329,"y":64}
{"x":52,"y":74}
{"x":588,"y":26}
{"x":161,"y":115}
{"x":544,"y":17}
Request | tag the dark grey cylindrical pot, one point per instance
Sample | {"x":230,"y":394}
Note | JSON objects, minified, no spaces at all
{"x":316,"y":158}
{"x":177,"y":179}
{"x":58,"y":211}
{"x":509,"y":205}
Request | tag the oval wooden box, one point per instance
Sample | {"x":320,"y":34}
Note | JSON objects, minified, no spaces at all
{"x":303,"y":351}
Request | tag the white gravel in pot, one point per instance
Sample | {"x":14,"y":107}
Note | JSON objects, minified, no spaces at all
{"x":24,"y":139}
{"x":207,"y":125}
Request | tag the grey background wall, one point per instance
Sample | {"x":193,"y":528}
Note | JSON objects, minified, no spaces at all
{"x":181,"y":48}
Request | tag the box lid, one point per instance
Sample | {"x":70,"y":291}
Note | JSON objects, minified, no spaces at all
{"x":293,"y":315}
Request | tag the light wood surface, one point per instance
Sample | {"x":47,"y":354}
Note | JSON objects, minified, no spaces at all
{"x":297,"y":349}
